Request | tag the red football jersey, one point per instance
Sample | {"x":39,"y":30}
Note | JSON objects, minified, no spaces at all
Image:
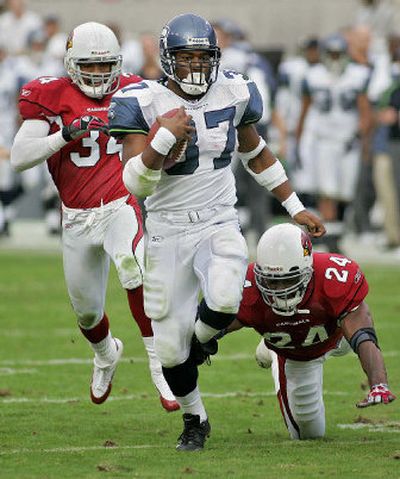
{"x":87,"y":171}
{"x":337,"y":286}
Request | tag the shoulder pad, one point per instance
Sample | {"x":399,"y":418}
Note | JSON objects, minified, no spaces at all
{"x":142,"y":91}
{"x":40,"y":97}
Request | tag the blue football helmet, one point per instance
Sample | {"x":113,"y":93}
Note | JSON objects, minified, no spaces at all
{"x":190,"y":32}
{"x":335,"y":43}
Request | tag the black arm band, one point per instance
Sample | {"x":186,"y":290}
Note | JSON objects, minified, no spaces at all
{"x":362,"y":335}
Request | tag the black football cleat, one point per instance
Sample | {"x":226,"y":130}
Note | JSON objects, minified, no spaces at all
{"x":194,"y":433}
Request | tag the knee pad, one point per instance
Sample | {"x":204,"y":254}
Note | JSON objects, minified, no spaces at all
{"x":228,"y":266}
{"x":130,"y":272}
{"x":169,"y":351}
{"x":88,"y":320}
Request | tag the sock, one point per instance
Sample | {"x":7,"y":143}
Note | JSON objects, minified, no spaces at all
{"x":154,"y":363}
{"x":135,"y":300}
{"x":192,"y":404}
{"x":105,"y":350}
{"x":101,"y":341}
{"x":182,"y":379}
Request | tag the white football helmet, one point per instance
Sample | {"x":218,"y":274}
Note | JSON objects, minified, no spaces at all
{"x":284,"y":267}
{"x":93,"y":43}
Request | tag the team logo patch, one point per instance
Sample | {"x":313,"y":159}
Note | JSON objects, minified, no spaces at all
{"x":306,"y":244}
{"x":25,"y":92}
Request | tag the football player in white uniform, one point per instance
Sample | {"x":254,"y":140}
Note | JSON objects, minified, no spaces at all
{"x":194,"y":239}
{"x":335,"y":100}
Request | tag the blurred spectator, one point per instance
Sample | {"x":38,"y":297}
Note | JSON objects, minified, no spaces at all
{"x":10,"y":188}
{"x":55,"y":40}
{"x":151,"y":69}
{"x":386,"y":159}
{"x":334,"y":93}
{"x":379,"y":16}
{"x":291,"y":73}
{"x":16,"y":24}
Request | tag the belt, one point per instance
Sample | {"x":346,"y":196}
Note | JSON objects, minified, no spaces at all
{"x":192,"y":216}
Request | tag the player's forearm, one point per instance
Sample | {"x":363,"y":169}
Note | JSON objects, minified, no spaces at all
{"x":371,"y":360}
{"x":32,"y":144}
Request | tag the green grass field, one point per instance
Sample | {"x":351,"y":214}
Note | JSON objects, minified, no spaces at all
{"x":50,"y":429}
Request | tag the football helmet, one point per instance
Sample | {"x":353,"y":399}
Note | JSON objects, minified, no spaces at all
{"x":93,"y":43}
{"x":335,"y":56}
{"x":284,"y":267}
{"x":190,"y":32}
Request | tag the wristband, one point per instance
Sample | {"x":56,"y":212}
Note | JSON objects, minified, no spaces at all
{"x":163,"y":141}
{"x":293,"y":205}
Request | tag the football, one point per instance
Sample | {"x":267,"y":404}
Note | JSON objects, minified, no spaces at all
{"x":177,"y":152}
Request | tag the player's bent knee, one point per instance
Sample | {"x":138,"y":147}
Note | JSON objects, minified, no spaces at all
{"x":88,"y":320}
{"x":169,"y":353}
{"x":130,"y":273}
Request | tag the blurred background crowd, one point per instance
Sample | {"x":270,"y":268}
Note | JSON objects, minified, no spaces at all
{"x":331,"y":114}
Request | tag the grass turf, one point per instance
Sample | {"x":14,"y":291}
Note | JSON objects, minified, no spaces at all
{"x":49,"y":428}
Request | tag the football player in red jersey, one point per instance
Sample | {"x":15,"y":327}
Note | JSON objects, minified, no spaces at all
{"x":64,"y":124}
{"x":308,"y":306}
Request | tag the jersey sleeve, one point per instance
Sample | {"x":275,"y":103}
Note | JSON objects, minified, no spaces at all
{"x":254,"y":108}
{"x":125,"y":114}
{"x":38,"y":99}
{"x":346,"y":288}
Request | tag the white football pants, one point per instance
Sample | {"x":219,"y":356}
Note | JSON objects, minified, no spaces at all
{"x":187,"y":252}
{"x":298,"y":385}
{"x":90,"y":238}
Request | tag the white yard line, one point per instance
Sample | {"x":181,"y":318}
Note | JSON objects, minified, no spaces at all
{"x":12,"y":371}
{"x":133,"y":359}
{"x":388,"y":427}
{"x":75,"y":449}
{"x":145,"y":395}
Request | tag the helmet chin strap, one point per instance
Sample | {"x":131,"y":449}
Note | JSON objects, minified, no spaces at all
{"x":198,"y":88}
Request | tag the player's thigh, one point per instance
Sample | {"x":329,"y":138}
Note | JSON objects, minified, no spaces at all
{"x":220,"y":264}
{"x":304,"y":381}
{"x":349,"y":170}
{"x":327,"y":153}
{"x":86,"y":270}
{"x":123,"y":241}
{"x":171,"y":292}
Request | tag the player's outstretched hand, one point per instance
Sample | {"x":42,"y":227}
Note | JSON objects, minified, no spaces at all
{"x":378,"y":394}
{"x":81,"y":125}
{"x":313,"y":224}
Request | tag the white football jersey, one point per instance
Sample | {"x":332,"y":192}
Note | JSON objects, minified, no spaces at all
{"x":9,"y":87}
{"x":203,"y":178}
{"x":334,"y":99}
{"x":291,"y":75}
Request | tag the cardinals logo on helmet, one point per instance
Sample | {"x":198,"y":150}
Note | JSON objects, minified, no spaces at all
{"x":306,"y":244}
{"x":69,"y":41}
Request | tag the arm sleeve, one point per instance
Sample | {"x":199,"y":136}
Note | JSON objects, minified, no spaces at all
{"x":125,"y":116}
{"x":254,"y":108}
{"x":33,"y":145}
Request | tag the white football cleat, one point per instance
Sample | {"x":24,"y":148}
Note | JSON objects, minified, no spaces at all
{"x":102,"y":376}
{"x":264,"y":356}
{"x":167,"y":399}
